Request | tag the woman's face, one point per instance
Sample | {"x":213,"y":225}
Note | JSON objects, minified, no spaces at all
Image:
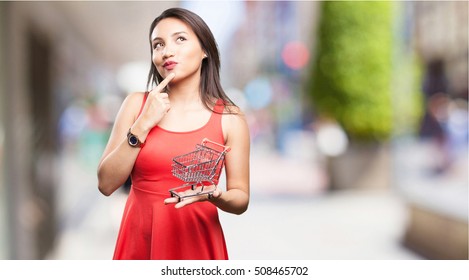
{"x":176,"y":49}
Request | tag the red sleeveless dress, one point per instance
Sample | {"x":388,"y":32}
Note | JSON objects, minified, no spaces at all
{"x":152,"y":230}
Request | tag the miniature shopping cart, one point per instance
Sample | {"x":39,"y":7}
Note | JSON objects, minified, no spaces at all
{"x":199,"y":169}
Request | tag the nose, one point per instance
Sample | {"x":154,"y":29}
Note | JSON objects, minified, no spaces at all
{"x":167,"y":52}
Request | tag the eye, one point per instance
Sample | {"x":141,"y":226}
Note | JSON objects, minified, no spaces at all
{"x":181,"y":39}
{"x":157,"y":45}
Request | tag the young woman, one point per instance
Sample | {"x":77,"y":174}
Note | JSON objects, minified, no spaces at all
{"x":187,"y":105}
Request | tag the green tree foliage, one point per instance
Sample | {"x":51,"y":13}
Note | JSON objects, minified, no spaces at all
{"x":352,"y":72}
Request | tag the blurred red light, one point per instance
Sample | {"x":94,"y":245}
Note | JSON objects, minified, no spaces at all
{"x":295,"y":55}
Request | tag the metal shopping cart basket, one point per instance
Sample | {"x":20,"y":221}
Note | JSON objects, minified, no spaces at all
{"x":199,"y":169}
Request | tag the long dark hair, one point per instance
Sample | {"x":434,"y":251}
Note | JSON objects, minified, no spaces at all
{"x":210,"y":86}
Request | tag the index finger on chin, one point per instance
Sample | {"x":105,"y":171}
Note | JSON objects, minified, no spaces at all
{"x":166,"y":81}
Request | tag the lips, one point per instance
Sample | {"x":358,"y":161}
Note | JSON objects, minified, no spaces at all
{"x":169,"y":65}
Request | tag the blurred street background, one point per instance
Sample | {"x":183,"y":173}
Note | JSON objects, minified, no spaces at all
{"x":358,"y":113}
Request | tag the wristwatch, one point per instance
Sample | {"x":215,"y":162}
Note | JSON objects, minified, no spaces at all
{"x":133,"y":140}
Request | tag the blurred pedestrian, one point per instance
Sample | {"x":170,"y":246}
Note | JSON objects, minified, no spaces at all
{"x":187,"y":105}
{"x":435,"y":89}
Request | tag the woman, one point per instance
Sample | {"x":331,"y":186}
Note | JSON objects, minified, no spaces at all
{"x":187,"y":105}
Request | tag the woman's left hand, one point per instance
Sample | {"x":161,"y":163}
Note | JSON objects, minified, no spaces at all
{"x":192,"y":199}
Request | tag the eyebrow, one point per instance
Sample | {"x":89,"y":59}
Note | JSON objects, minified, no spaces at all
{"x":174,"y":34}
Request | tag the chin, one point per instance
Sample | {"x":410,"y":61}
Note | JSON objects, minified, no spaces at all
{"x":166,"y":74}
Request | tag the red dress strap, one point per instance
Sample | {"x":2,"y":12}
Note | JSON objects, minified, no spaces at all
{"x":143,"y":103}
{"x":219,"y":106}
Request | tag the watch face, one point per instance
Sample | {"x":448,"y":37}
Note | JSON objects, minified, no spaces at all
{"x":133,"y":140}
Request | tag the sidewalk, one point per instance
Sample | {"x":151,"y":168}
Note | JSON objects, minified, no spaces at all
{"x":341,"y":225}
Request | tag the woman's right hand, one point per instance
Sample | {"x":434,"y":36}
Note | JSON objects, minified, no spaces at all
{"x":156,"y":105}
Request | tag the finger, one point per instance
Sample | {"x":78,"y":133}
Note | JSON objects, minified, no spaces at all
{"x":163,"y":98}
{"x":179,"y":197}
{"x":164,"y":95}
{"x":216,"y":193}
{"x":186,"y":202}
{"x":171,"y":200}
{"x":165,"y":82}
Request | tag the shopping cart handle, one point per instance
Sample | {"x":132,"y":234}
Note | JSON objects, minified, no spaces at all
{"x":225,"y":148}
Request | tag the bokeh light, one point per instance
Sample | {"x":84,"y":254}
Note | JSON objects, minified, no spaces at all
{"x":295,"y":55}
{"x":258,"y":93}
{"x":331,"y":140}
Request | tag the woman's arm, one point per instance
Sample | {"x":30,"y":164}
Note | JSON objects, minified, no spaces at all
{"x":119,"y":157}
{"x":236,"y":198}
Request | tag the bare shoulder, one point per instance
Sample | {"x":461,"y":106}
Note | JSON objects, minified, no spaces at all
{"x":133,"y":102}
{"x":134,"y":98}
{"x":234,"y":114}
{"x":234,"y":122}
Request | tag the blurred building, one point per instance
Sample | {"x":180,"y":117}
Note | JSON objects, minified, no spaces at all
{"x":438,"y":206}
{"x":270,"y":51}
{"x":441,"y":33}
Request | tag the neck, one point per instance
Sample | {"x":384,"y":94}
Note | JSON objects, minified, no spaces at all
{"x":185,"y":91}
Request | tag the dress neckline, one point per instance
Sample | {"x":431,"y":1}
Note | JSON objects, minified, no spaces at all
{"x":188,"y":131}
{"x":217,"y":109}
